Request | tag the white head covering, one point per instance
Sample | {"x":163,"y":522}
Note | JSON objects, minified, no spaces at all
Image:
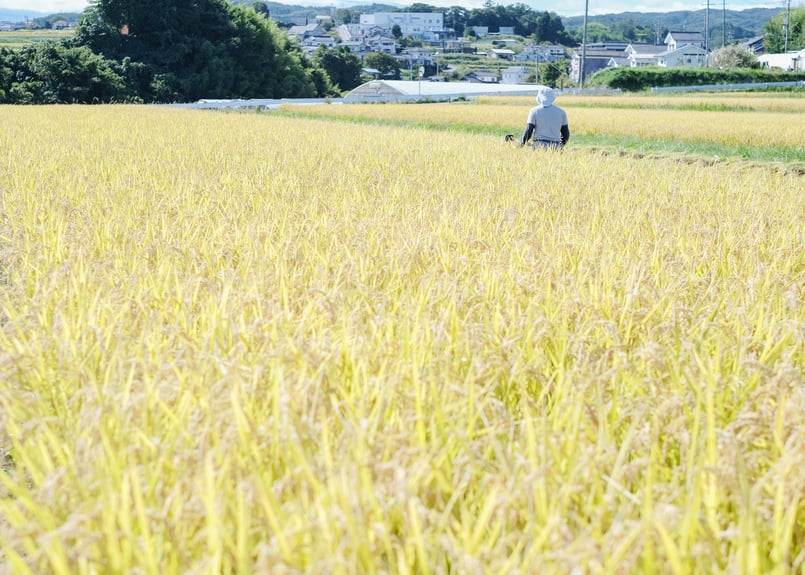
{"x":546,"y":96}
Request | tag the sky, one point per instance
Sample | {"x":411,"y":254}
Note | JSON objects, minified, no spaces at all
{"x":567,"y":8}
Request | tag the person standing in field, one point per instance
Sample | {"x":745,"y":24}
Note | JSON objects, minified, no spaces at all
{"x":546,"y":123}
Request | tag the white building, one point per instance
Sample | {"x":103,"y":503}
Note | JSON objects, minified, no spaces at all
{"x":401,"y":90}
{"x":515,"y":74}
{"x":639,"y":55}
{"x":688,"y":55}
{"x":416,"y":24}
{"x":676,"y":40}
{"x":791,"y":61}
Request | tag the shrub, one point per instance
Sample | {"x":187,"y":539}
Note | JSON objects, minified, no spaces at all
{"x":637,"y":79}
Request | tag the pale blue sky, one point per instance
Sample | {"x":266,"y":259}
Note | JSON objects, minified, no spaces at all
{"x":567,"y":8}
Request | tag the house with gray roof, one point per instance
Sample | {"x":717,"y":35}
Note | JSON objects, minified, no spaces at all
{"x":594,"y":60}
{"x":515,"y":74}
{"x":689,"y":55}
{"x":501,"y":53}
{"x":674,"y":40}
{"x":638,"y":55}
{"x":755,"y":45}
{"x":482,"y":76}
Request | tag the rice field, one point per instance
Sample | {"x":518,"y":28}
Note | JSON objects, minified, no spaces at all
{"x":294,"y":342}
{"x":772,"y":124}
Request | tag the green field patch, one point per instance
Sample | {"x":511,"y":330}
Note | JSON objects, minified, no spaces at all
{"x":22,"y":38}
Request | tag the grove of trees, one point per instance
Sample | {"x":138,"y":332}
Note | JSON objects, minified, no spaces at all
{"x":163,"y":51}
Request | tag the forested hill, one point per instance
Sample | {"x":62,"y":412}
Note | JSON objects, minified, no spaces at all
{"x":286,"y":12}
{"x":740,"y":23}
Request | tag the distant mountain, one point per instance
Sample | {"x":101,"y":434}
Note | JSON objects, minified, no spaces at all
{"x":287,"y":12}
{"x":739,"y":23}
{"x":14,"y":15}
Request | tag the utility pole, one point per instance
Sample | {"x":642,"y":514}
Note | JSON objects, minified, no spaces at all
{"x":787,"y":24}
{"x":584,"y":45}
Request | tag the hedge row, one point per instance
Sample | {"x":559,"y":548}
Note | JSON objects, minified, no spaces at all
{"x":638,"y":79}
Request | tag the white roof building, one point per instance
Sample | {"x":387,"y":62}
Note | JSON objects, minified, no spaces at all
{"x":400,"y":90}
{"x":791,"y":61}
{"x":515,"y":74}
{"x":415,"y":24}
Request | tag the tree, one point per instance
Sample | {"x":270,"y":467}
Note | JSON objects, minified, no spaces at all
{"x":199,"y":49}
{"x":774,"y":39}
{"x":386,"y":64}
{"x":552,"y":74}
{"x":347,"y":16}
{"x":396,"y":31}
{"x":57,"y":73}
{"x":733,"y":56}
{"x":261,"y":8}
{"x":456,"y":18}
{"x":342,"y":66}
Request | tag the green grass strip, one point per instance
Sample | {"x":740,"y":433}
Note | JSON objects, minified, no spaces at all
{"x":709,"y":150}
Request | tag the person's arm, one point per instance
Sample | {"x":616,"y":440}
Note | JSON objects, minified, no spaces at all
{"x":565,"y":130}
{"x":529,"y":129}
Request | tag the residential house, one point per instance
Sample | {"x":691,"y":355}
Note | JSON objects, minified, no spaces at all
{"x":354,"y":42}
{"x":316,"y":41}
{"x":384,"y":42}
{"x":790,"y":61}
{"x":680,"y":49}
{"x":501,"y":53}
{"x":301,"y":30}
{"x":515,"y":75}
{"x":688,"y":55}
{"x":482,"y":76}
{"x":595,"y":59}
{"x":618,"y":62}
{"x":639,"y":55}
{"x":413,"y":58}
{"x":542,"y":53}
{"x":461,"y":45}
{"x":675,"y":40}
{"x":754,"y":45}
{"x":311,"y":36}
